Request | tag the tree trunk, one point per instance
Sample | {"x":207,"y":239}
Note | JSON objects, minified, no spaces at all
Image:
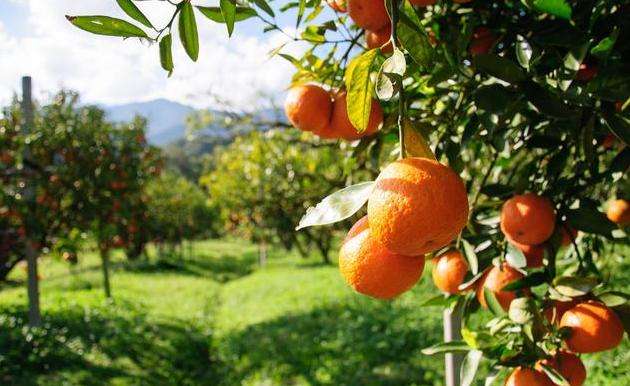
{"x":34,"y":313}
{"x":262,"y":254}
{"x":105,"y":265}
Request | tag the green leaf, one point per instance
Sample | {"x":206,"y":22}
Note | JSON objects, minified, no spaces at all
{"x":108,"y":26}
{"x":133,"y":12}
{"x":523,"y":51}
{"x":558,"y":8}
{"x":620,"y":126}
{"x":515,"y":257}
{"x":337,"y":206}
{"x":522,"y":310}
{"x":188,"y":30}
{"x":547,"y":102}
{"x":572,"y":61}
{"x":493,"y":304}
{"x":166,"y":54}
{"x":300,"y":14}
{"x":262,"y":4}
{"x":497,"y":190}
{"x":471,"y":257}
{"x":214,"y":13}
{"x":438,"y":300}
{"x":417,"y":45}
{"x":590,"y":220}
{"x":444,"y":347}
{"x":613,"y":298}
{"x":574,"y":286}
{"x":228,"y":11}
{"x":493,"y":98}
{"x":359,"y":86}
{"x":603,"y":49}
{"x":390,"y":75}
{"x":532,"y":280}
{"x":500,"y":68}
{"x":554,"y":375}
{"x":314,"y":34}
{"x":469,"y":367}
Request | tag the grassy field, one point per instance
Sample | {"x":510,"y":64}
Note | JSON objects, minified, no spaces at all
{"x":219,"y":319}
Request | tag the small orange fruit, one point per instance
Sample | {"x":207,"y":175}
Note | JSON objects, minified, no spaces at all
{"x":523,"y":376}
{"x":368,"y":14}
{"x":380,"y":39}
{"x":422,"y":3}
{"x":619,"y":212}
{"x":528,"y":219}
{"x":569,"y":365}
{"x":417,"y":206}
{"x":482,"y":41}
{"x":494,"y":280}
{"x":308,"y":107}
{"x":449,"y":270}
{"x":594,"y":327}
{"x":341,"y":126}
{"x":371,"y":269}
{"x":554,"y":312}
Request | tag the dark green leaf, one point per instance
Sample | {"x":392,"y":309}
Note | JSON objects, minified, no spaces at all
{"x":105,"y":25}
{"x":493,"y":98}
{"x":588,"y":219}
{"x":166,"y":54}
{"x":500,"y":68}
{"x":228,"y":11}
{"x":130,"y":9}
{"x":214,"y":13}
{"x":620,"y":126}
{"x":493,"y":304}
{"x":262,"y":4}
{"x":454,"y":346}
{"x":546,"y":102}
{"x":532,"y":280}
{"x":497,"y":190}
{"x":188,"y":30}
{"x":417,"y":44}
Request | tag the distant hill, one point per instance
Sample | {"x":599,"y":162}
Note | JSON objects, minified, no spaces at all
{"x":166,"y":118}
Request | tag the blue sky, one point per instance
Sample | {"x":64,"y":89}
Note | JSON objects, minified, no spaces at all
{"x":35,"y":39}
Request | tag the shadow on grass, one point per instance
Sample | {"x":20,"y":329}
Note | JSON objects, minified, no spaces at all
{"x":99,"y":345}
{"x":364,"y":343}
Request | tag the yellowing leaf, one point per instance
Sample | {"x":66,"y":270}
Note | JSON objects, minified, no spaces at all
{"x":359,"y":85}
{"x":415,"y":143}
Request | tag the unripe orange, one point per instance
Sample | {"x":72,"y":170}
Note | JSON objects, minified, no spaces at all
{"x":368,"y":14}
{"x":494,"y":280}
{"x":308,"y":107}
{"x":340,"y":124}
{"x":380,"y":39}
{"x":371,"y":269}
{"x":417,"y":206}
{"x":594,"y":327}
{"x":449,"y":271}
{"x":528,"y":219}
{"x":619,"y":212}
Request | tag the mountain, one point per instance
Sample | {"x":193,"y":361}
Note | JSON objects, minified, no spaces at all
{"x":166,"y":119}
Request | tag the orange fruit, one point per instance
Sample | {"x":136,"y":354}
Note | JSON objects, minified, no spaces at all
{"x":554,"y":312}
{"x":417,"y":206}
{"x":494,"y":280}
{"x":528,"y":219}
{"x":422,"y":3}
{"x":368,"y":14}
{"x":338,"y":5}
{"x":569,"y":365}
{"x":308,"y":107}
{"x":371,"y":269}
{"x":594,"y":327}
{"x":341,"y":126}
{"x":619,"y":212}
{"x":449,"y":270}
{"x":567,"y":235}
{"x":586,"y":72}
{"x":380,"y":39}
{"x":481,"y":42}
{"x":523,"y":376}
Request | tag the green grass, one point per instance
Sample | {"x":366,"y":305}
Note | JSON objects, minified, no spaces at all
{"x":219,"y":319}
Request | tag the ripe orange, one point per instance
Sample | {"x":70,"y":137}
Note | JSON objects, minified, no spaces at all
{"x":422,"y":3}
{"x":341,"y":126}
{"x":523,"y":376}
{"x":619,"y":212}
{"x":308,"y":107}
{"x":338,"y":5}
{"x":586,"y":72}
{"x":371,"y":269}
{"x":528,"y":219}
{"x":494,"y":280}
{"x":609,"y":141}
{"x":368,"y":14}
{"x":569,"y":365}
{"x":417,"y":206}
{"x":554,"y":312}
{"x":594,"y":327}
{"x":380,"y":39}
{"x":534,"y":254}
{"x":449,"y":270}
{"x":482,"y":41}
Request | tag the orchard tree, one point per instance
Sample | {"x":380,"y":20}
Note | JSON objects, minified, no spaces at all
{"x":525,"y":186}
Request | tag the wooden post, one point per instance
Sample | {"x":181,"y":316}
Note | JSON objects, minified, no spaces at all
{"x":452,"y":331}
{"x":34,"y":313}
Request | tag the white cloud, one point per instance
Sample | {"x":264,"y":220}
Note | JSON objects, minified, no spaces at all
{"x":109,"y":70}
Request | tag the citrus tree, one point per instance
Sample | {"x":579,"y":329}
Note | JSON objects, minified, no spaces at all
{"x":512,"y":127}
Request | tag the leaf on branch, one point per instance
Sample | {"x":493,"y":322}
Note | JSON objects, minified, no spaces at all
{"x":166,"y":54}
{"x":338,"y":206}
{"x":390,"y":75}
{"x":360,"y":86}
{"x":417,"y":44}
{"x":469,"y":367}
{"x":214,"y":13}
{"x":574,"y":286}
{"x":523,"y":51}
{"x":108,"y":26}
{"x":554,"y":375}
{"x":416,"y":144}
{"x":228,"y":11}
{"x":558,"y":8}
{"x":614,"y":298}
{"x":620,"y":127}
{"x":515,"y":257}
{"x":134,"y":12}
{"x":262,"y":4}
{"x":188,"y":30}
{"x":500,"y":68}
{"x":589,"y":219}
{"x":446,"y":347}
{"x":471,"y":257}
{"x":493,"y":304}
